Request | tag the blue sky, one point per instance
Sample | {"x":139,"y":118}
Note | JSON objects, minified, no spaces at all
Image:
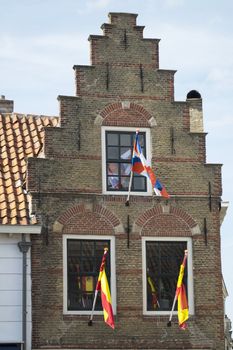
{"x":41,"y":40}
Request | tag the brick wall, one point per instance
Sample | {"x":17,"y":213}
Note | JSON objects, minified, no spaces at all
{"x":124,"y":87}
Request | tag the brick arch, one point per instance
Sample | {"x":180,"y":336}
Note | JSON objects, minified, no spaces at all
{"x":88,"y":219}
{"x":167,"y":221}
{"x":126,"y":114}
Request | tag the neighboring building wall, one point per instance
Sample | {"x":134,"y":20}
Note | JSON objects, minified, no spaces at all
{"x":21,"y":136}
{"x":124,"y":87}
{"x":11,"y":291}
{"x":228,"y":334}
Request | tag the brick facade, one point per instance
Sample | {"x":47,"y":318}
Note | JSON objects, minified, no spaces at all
{"x":125,"y":87}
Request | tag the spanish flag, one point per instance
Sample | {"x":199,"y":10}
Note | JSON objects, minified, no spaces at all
{"x":155,"y":301}
{"x":183,"y":312}
{"x":102,"y":285}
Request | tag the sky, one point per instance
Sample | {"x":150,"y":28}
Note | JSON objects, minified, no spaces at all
{"x":41,"y":40}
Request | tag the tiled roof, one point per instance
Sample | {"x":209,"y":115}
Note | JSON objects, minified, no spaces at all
{"x":21,"y":136}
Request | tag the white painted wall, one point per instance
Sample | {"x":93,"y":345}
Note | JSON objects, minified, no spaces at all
{"x":11,"y":290}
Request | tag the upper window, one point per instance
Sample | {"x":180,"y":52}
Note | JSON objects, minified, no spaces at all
{"x":162,"y":260}
{"x":82,"y":260}
{"x":117,"y":158}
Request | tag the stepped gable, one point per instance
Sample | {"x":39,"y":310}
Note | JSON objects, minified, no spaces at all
{"x":124,"y":64}
{"x":21,"y":136}
{"x":124,"y":87}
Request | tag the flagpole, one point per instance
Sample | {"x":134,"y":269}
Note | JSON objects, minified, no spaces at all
{"x":173,"y":307}
{"x":131,"y":174}
{"x":93,"y":309}
{"x":130,"y":185}
{"x":175,"y":298}
{"x":97,"y":286}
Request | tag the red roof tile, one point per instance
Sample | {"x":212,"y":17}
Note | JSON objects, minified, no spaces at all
{"x":21,"y":136}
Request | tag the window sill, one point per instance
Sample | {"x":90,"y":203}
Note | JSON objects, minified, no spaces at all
{"x":81,"y":317}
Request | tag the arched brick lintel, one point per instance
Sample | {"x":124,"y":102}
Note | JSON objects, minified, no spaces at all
{"x":161,"y":218}
{"x":122,"y":113}
{"x":93,"y":211}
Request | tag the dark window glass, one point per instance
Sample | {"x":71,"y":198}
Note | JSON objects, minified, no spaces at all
{"x":112,"y":139}
{"x":83,"y":263}
{"x":119,"y":149}
{"x":163,"y":260}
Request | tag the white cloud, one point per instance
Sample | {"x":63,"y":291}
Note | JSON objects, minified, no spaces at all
{"x":170,"y":4}
{"x":222,"y":122}
{"x":194,"y":47}
{"x":221,"y":77}
{"x":92,"y":5}
{"x":48,"y":50}
{"x":99,"y":3}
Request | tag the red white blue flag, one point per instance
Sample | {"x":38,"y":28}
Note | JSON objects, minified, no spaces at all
{"x":141,"y":166}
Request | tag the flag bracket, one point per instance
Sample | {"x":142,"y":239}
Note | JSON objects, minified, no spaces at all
{"x":128,"y":229}
{"x":210,"y":196}
{"x":141,"y":78}
{"x":45,"y":229}
{"x":79,"y":136}
{"x":173,"y":151}
{"x":205,"y":231}
{"x":107,"y":76}
{"x":125,"y":39}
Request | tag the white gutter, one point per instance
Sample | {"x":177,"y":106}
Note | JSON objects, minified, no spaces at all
{"x":28,"y":229}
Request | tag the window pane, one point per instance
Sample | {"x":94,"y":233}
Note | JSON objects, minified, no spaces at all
{"x":163,"y":260}
{"x":125,"y":140}
{"x":83,"y":272}
{"x":113,"y":153}
{"x":124,"y":183}
{"x":99,"y":247}
{"x":113,"y":168}
{"x":125,"y":168}
{"x":125,"y":153}
{"x":74,"y":247}
{"x":112,"y":139}
{"x":141,"y":140}
{"x":88,"y":265}
{"x":139,"y":183}
{"x":74,"y":264}
{"x":87,"y":248}
{"x":113,"y":183}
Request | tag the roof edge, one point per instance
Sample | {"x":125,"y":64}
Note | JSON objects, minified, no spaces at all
{"x":19,"y":229}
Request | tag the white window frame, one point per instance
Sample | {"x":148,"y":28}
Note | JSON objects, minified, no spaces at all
{"x":148,"y":156}
{"x":189,"y":267}
{"x":113,"y":273}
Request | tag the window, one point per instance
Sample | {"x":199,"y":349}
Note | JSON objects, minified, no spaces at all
{"x":117,"y":159}
{"x":162,"y":258}
{"x":82,"y":260}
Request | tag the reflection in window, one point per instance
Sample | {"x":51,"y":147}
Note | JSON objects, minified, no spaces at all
{"x":83,"y":263}
{"x":163,"y":260}
{"x":119,"y":147}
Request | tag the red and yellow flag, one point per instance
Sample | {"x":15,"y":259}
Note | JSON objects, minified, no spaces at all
{"x":102,"y":285}
{"x":183,"y":312}
{"x":153,"y":292}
